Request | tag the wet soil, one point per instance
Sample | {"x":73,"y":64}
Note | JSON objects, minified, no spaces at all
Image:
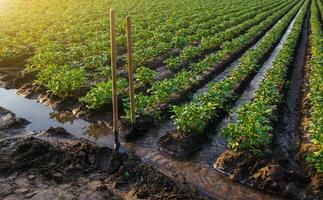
{"x":197,"y":175}
{"x":12,"y":74}
{"x":56,"y":165}
{"x":265,"y":174}
{"x":10,"y":125}
{"x":181,"y":145}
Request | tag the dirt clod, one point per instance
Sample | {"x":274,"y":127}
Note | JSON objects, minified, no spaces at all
{"x":181,"y":145}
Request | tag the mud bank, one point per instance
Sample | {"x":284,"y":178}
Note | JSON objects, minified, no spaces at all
{"x":265,"y":174}
{"x":55,"y":165}
{"x":10,"y":125}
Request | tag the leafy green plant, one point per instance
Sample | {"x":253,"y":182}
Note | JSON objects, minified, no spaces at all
{"x":173,"y":62}
{"x":144,"y":75}
{"x":219,"y":93}
{"x":179,"y":42}
{"x":253,"y":136}
{"x":316,"y":157}
{"x":62,"y":80}
{"x":252,"y":129}
{"x":101,"y":94}
{"x":162,"y":91}
{"x":190,"y":53}
{"x":192,"y":118}
{"x":315,"y":96}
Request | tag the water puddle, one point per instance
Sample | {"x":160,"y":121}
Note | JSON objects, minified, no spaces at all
{"x":42,"y":117}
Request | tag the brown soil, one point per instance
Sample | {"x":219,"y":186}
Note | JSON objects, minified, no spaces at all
{"x":181,"y":145}
{"x":142,"y":126}
{"x":265,"y":174}
{"x":55,"y":165}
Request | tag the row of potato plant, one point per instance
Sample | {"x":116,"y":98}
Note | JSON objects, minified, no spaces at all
{"x":211,"y":41}
{"x":163,"y":91}
{"x":88,"y":48}
{"x":315,"y":95}
{"x":196,"y":115}
{"x":27,"y":25}
{"x":64,"y":35}
{"x":146,"y":76}
{"x":178,"y":37}
{"x":255,"y":119}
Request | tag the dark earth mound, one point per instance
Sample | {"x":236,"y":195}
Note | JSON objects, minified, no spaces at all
{"x":181,"y":145}
{"x":56,"y":165}
{"x":266,"y":174}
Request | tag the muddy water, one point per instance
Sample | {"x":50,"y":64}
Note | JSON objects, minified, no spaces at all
{"x":286,"y":134}
{"x":202,"y":177}
{"x":42,"y":117}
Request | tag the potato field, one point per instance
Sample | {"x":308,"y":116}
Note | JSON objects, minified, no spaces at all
{"x":228,"y":99}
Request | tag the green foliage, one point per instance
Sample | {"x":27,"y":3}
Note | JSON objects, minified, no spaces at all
{"x":254,"y":134}
{"x":255,"y":119}
{"x":190,"y":53}
{"x":316,"y":157}
{"x":315,"y":96}
{"x":101,"y":94}
{"x":173,"y":62}
{"x":62,"y":80}
{"x":192,"y":118}
{"x":162,"y":91}
{"x":75,"y":35}
{"x":144,"y":75}
{"x":179,"y":42}
{"x":219,"y":93}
